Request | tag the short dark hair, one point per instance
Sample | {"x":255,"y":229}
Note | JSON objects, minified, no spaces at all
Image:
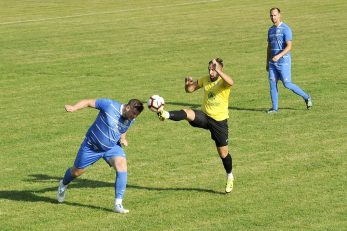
{"x":275,"y":8}
{"x":136,"y":105}
{"x":218,"y":60}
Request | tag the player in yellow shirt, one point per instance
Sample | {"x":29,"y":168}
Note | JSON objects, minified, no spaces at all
{"x":214,"y":111}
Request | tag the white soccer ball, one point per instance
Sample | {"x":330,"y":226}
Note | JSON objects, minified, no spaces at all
{"x":155,"y":103}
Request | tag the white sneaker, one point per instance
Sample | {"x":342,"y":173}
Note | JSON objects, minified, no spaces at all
{"x":229,"y":185}
{"x":61,"y":192}
{"x":118,"y":208}
{"x":308,"y":103}
{"x":163,"y":115}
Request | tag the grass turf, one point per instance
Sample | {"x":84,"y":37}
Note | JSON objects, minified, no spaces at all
{"x":290,"y":168}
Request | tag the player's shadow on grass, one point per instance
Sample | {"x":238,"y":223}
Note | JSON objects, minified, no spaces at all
{"x":175,"y":189}
{"x":36,"y":195}
{"x":33,"y":196}
{"x":196,"y":106}
{"x":86,"y":183}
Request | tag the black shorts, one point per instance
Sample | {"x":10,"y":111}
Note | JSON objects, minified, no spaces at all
{"x":218,"y":129}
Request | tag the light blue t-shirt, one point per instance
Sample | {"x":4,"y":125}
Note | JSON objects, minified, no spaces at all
{"x":277,"y":37}
{"x":108,"y":126}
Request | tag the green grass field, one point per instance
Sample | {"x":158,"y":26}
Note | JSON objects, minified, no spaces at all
{"x":290,"y":168}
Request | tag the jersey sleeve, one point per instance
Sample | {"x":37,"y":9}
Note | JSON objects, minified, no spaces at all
{"x":102,"y":104}
{"x":288,"y":36}
{"x":201,"y":82}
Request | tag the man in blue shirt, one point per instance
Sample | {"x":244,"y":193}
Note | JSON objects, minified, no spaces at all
{"x":103,"y":140}
{"x":278,"y":62}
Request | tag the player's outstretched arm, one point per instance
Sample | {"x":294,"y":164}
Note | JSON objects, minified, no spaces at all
{"x":190,"y":85}
{"x":81,"y":104}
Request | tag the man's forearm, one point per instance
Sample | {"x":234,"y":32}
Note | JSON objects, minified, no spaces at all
{"x":225,"y":77}
{"x":81,"y":104}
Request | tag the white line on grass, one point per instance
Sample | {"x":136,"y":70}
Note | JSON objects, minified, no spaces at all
{"x":109,"y":12}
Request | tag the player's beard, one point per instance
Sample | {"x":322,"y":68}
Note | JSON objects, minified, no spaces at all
{"x":213,"y":78}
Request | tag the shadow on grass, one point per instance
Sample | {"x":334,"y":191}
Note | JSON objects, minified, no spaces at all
{"x":34,"y":195}
{"x":175,"y":189}
{"x":197,"y":106}
{"x":86,"y":183}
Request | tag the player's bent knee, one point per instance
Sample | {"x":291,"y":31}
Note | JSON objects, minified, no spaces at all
{"x":190,"y":114}
{"x":273,"y":83}
{"x":223,"y":151}
{"x":119,"y":164}
{"x":288,"y":85}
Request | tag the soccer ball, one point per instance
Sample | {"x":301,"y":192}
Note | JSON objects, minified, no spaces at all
{"x":155,"y":103}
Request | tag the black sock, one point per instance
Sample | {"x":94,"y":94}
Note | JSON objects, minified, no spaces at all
{"x":177,"y":115}
{"x":228,"y":163}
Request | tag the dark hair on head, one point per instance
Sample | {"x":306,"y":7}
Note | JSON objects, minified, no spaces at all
{"x":218,"y":60}
{"x":275,"y":8}
{"x":136,"y":105}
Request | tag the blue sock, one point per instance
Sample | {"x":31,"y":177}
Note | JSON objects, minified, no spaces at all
{"x":67,"y":177}
{"x":120,"y":184}
{"x":274,"y":94}
{"x":297,"y":90}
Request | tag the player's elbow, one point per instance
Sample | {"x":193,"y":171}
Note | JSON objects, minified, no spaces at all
{"x":91,"y":103}
{"x":230,"y":83}
{"x":289,"y":45}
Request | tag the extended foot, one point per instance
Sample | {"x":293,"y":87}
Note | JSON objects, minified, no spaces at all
{"x":163,"y":115}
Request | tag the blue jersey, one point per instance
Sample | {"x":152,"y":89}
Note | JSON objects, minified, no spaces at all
{"x":108,"y":126}
{"x":277,"y":37}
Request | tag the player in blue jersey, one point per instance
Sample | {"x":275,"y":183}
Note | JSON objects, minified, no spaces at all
{"x":103,"y":140}
{"x":278,"y":62}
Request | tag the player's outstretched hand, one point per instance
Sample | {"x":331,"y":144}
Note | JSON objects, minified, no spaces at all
{"x":188,"y":81}
{"x":216,"y":65}
{"x":69,"y":108}
{"x":124,"y":142}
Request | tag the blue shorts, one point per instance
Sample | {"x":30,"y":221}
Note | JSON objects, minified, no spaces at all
{"x":280,"y":70}
{"x":88,"y":154}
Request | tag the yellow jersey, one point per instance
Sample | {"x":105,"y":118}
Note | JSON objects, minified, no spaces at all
{"x":216,"y":98}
